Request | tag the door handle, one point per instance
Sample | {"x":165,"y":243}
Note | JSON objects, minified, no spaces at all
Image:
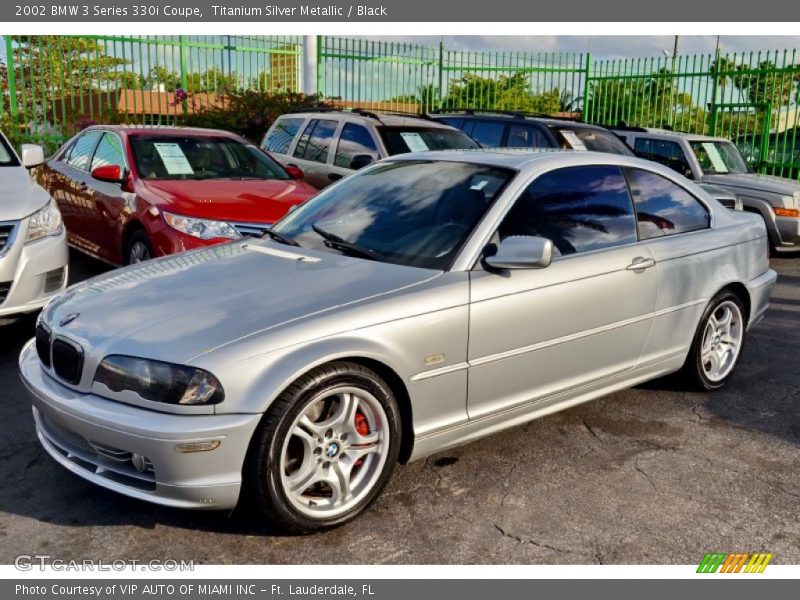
{"x":334,"y":176}
{"x":640,"y":263}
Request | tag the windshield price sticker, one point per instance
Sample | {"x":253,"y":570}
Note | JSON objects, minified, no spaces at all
{"x":716,"y":160}
{"x":573,"y":140}
{"x":414,"y":142}
{"x":175,"y":161}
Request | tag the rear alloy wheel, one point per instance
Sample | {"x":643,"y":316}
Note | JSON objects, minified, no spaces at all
{"x":325,"y":449}
{"x":139,"y":248}
{"x":718,"y":342}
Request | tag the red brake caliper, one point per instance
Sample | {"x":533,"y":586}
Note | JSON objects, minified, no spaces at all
{"x":362,"y":427}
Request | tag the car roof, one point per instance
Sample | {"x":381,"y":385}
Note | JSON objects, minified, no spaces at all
{"x":167,"y":130}
{"x":548,"y":121}
{"x":522,"y":158}
{"x":667,"y":133}
{"x":378,"y":118}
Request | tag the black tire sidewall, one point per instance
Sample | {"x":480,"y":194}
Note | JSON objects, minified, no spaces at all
{"x":138,"y":236}
{"x":270,"y":493}
{"x":695,"y":360}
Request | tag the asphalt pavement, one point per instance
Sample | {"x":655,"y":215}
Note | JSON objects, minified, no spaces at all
{"x":652,"y":475}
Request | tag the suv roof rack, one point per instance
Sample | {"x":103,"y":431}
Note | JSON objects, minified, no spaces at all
{"x":508,"y":113}
{"x":373,"y":114}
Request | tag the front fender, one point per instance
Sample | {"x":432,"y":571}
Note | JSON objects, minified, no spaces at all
{"x":256,"y":382}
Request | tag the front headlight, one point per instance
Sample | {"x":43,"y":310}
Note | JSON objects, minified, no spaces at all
{"x":159,"y":381}
{"x":45,"y":222}
{"x":201,"y":228}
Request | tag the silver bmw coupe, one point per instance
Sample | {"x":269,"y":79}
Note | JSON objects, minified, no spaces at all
{"x":421,"y":303}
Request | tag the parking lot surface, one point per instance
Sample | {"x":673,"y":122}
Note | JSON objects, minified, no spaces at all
{"x":649,"y":475}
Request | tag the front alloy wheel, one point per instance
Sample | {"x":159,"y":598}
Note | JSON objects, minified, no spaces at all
{"x":325,"y":449}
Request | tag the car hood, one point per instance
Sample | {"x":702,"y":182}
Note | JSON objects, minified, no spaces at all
{"x":755,"y":182}
{"x":246,"y":200}
{"x":20,"y":195}
{"x":182,"y":306}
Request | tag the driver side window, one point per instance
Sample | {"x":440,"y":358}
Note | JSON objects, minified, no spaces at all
{"x":579,"y":209}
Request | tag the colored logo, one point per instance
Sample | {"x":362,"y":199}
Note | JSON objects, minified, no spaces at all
{"x":737,"y":562}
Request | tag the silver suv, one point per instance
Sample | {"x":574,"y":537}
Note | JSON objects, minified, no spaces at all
{"x":718,"y":161}
{"x":328,"y":144}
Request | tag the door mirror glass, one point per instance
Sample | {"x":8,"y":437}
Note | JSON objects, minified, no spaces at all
{"x":522,"y":252}
{"x":32,"y":155}
{"x":360,"y":161}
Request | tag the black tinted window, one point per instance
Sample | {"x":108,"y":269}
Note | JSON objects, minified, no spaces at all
{"x":488,"y":133}
{"x":453,"y":122}
{"x":316,"y":140}
{"x":354,"y":141}
{"x":663,"y":207}
{"x":523,"y":136}
{"x":82,"y":150}
{"x":580,"y":209}
{"x":664,"y":152}
{"x":400,"y":140}
{"x":415,"y":213}
{"x":595,"y":140}
{"x":109,"y":152}
{"x":280,"y":138}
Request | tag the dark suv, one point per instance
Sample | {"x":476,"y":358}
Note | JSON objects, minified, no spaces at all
{"x":519,"y":130}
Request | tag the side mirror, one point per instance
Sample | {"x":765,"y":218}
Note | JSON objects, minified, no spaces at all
{"x":110,"y":173}
{"x":32,"y":155}
{"x":295,"y":172}
{"x":522,"y":252}
{"x":360,"y":161}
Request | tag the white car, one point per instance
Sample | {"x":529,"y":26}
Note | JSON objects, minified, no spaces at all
{"x":33,"y":241}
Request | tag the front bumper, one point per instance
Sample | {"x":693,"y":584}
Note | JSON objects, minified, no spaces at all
{"x":788,"y":232}
{"x":96,"y":439}
{"x":35,"y":272}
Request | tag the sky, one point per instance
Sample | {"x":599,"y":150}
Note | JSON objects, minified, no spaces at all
{"x":608,"y":46}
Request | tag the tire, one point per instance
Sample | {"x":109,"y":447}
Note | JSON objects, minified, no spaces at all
{"x":139,"y":248}
{"x":314,"y":473}
{"x":717,"y":343}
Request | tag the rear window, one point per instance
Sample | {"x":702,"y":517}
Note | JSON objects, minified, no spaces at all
{"x":489,"y":133}
{"x":280,"y":137}
{"x":7,"y":158}
{"x":400,"y":140}
{"x":594,"y":140}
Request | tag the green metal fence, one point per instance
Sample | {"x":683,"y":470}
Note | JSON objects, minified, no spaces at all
{"x":53,"y":86}
{"x":749,"y":98}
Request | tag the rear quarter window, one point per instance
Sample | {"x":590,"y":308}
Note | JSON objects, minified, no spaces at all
{"x":663,"y":207}
{"x":281,"y":135}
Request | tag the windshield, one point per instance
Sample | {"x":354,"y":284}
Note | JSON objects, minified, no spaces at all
{"x":400,"y":140}
{"x":591,"y":139}
{"x":201,"y":157}
{"x":414,"y":213}
{"x":7,"y":157}
{"x":719,"y":157}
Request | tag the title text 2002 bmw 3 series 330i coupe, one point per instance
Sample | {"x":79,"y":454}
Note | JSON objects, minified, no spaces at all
{"x":426,"y":301}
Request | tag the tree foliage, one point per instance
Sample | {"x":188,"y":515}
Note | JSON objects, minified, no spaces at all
{"x":248,"y":112}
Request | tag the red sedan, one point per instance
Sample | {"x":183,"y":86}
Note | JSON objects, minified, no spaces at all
{"x":131,"y":193}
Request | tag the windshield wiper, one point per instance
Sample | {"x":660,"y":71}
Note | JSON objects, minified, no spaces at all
{"x":334,"y":241}
{"x":279,"y":237}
